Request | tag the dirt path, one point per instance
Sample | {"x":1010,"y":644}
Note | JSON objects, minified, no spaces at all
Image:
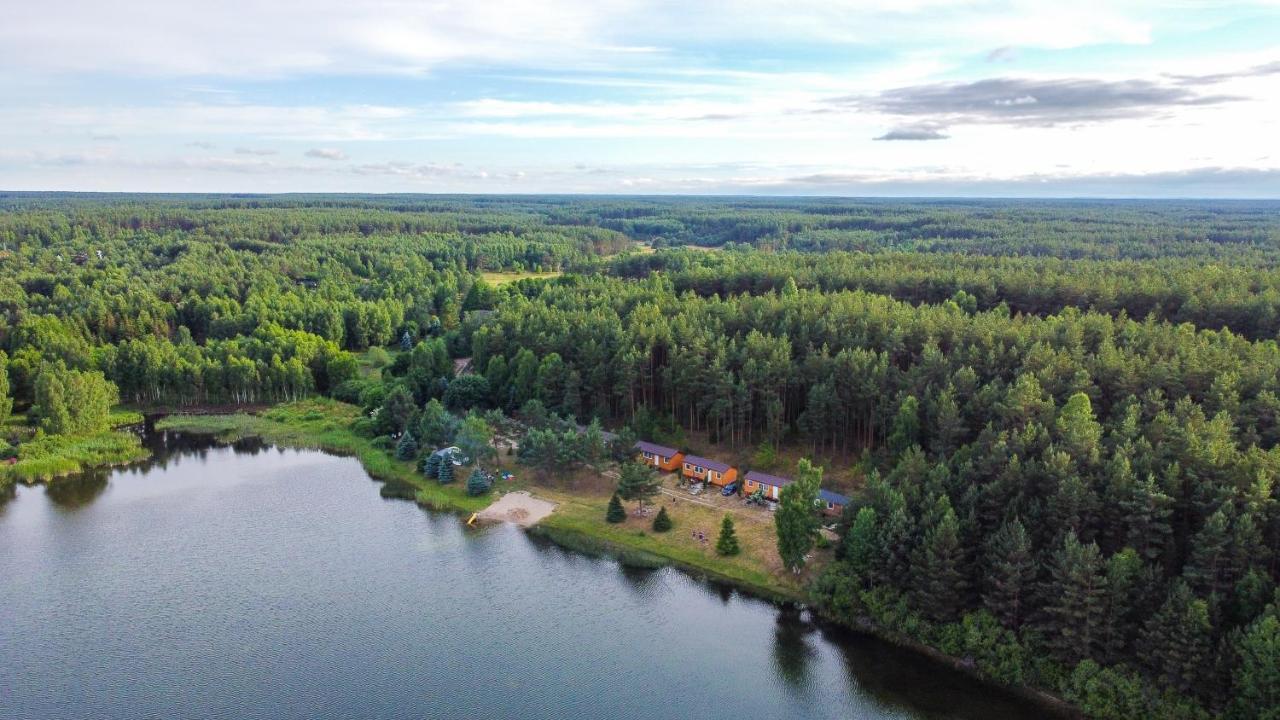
{"x":518,"y":507}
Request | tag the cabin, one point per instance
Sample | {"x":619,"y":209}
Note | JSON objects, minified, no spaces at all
{"x":832,"y":503}
{"x":661,"y":457}
{"x":770,"y":485}
{"x":708,"y":470}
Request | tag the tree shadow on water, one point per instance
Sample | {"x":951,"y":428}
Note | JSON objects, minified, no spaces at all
{"x":792,"y":651}
{"x":76,"y":491}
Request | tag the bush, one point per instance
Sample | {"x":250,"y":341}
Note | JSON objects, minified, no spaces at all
{"x":350,"y":391}
{"x":662,"y":522}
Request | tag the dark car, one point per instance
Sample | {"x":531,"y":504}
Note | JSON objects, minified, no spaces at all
{"x":730,"y":489}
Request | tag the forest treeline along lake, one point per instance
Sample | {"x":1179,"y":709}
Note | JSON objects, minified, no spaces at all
{"x":1055,"y":422}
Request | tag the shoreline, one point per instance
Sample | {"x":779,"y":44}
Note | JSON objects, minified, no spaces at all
{"x":274,"y":427}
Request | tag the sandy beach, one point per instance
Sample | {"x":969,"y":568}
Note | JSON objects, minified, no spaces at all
{"x":518,"y":507}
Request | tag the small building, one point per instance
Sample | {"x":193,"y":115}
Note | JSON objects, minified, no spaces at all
{"x":661,"y":457}
{"x":708,"y":470}
{"x":771,"y":485}
{"x":832,"y":503}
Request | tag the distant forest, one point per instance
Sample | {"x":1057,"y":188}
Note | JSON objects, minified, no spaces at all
{"x":1064,"y":416}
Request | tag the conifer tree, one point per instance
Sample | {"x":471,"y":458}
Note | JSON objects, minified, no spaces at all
{"x":1075,"y":600}
{"x":1147,"y":512}
{"x":1257,"y":679}
{"x":407,"y":447}
{"x":1011,"y":574}
{"x":479,"y":482}
{"x":431,"y":465}
{"x":1125,"y":580}
{"x":446,"y":470}
{"x":1210,"y":554}
{"x":662,"y":521}
{"x":1176,"y":642}
{"x":861,"y":547}
{"x":1078,"y":431}
{"x":727,"y":543}
{"x":897,"y":544}
{"x":948,"y":424}
{"x":939,"y":574}
{"x":637,"y":482}
{"x":615,"y":514}
{"x":905,"y":431}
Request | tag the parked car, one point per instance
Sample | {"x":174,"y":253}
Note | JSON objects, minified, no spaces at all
{"x":730,"y":489}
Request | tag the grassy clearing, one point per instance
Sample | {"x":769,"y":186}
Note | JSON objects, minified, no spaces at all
{"x":757,"y":568}
{"x":326,"y":425}
{"x":502,"y":278}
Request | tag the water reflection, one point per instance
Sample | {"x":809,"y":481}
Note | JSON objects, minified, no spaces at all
{"x":791,"y":649}
{"x":77,"y":491}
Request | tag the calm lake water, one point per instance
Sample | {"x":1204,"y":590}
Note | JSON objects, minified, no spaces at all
{"x":252,"y":582}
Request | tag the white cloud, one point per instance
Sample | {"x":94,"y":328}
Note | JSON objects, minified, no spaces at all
{"x":326,"y":154}
{"x":257,"y":37}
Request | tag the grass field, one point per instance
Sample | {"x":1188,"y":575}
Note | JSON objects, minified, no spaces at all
{"x":502,"y":278}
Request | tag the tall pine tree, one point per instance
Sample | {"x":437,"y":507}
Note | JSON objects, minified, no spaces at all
{"x":939,"y":567}
{"x":1011,"y":574}
{"x":1075,"y":601}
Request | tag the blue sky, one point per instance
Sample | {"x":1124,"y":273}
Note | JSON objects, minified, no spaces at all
{"x":839,"y":97}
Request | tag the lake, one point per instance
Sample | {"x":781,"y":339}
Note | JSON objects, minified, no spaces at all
{"x":253,"y":582}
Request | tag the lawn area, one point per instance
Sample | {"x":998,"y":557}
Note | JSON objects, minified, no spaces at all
{"x":502,"y":278}
{"x":757,"y":567}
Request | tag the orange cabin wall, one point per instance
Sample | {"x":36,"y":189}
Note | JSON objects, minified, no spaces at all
{"x":750,"y":486}
{"x":711,"y":476}
{"x":672,"y":464}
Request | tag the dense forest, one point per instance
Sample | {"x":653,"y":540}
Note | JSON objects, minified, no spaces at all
{"x":1063,"y":417}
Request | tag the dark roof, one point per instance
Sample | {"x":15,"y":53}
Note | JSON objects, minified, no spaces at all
{"x":707,"y":463}
{"x":767,"y":479}
{"x":832,"y":497}
{"x":656,"y":449}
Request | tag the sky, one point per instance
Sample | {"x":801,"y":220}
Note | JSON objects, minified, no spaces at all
{"x":1178,"y":98}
